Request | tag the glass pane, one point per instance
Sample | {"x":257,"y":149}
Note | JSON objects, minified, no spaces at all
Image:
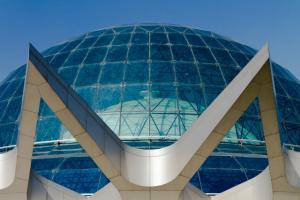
{"x":136,"y":98}
{"x":176,"y":38}
{"x":211,"y":75}
{"x":88,"y":75}
{"x":76,"y":57}
{"x":140,"y":38}
{"x":163,"y":98}
{"x":138,"y":52}
{"x":161,"y":52}
{"x":117,"y":53}
{"x":195,"y":40}
{"x":203,"y":55}
{"x":223,"y":57}
{"x":137,"y":72}
{"x":112,"y":73}
{"x":108,"y":99}
{"x":95,"y":55}
{"x":162,"y":72}
{"x":187,"y":73}
{"x":182,"y":53}
{"x":121,"y":39}
{"x":159,"y":38}
{"x":191,"y":99}
{"x":68,"y":74}
{"x":104,"y":40}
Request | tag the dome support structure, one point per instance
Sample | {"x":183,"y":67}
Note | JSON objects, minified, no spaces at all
{"x":161,"y":173}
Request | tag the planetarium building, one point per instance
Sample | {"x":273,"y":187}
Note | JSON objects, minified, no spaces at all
{"x":150,"y":112}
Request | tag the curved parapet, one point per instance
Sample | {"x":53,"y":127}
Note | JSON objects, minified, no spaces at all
{"x":257,"y":188}
{"x":8,"y":162}
{"x":292,"y":166}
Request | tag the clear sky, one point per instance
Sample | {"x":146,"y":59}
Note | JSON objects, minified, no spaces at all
{"x":47,"y":22}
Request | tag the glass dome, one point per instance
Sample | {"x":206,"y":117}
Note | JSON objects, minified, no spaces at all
{"x":149,"y":83}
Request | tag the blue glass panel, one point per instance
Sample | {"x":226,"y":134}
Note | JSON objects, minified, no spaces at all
{"x":46,"y":163}
{"x":87,"y":43}
{"x":108,"y":99}
{"x":78,"y":163}
{"x":13,"y":110}
{"x":159,"y":38}
{"x":95,"y":55}
{"x":211,"y":92}
{"x":241,"y":59}
{"x":292,"y":88}
{"x":140,"y":38}
{"x":59,"y":59}
{"x":88,"y":75}
{"x":88,"y":94}
{"x":286,"y":109}
{"x":104,"y":40}
{"x":163,"y":98}
{"x":182,"y":53}
{"x":229,"y":72}
{"x":160,"y":52}
{"x":228,"y":45}
{"x":216,"y":180}
{"x":11,"y":89}
{"x":137,"y":72}
{"x":223,"y":57}
{"x":176,"y":38}
{"x":48,"y":129}
{"x":164,"y":125}
{"x":19,"y":91}
{"x":161,"y":72}
{"x":117,"y":53}
{"x":220,"y":162}
{"x":68,"y":74}
{"x":20,"y":72}
{"x":211,"y":42}
{"x":253,"y":163}
{"x":8,"y":134}
{"x":134,"y":125}
{"x":203,"y":55}
{"x":81,"y":181}
{"x":192,"y":99}
{"x":187,"y":73}
{"x":76,"y":57}
{"x":112,"y":73}
{"x":3,"y":105}
{"x":121,"y":39}
{"x":71,"y":45}
{"x":136,"y":98}
{"x":211,"y":75}
{"x":44,"y":110}
{"x":138,"y":52}
{"x":195,"y":40}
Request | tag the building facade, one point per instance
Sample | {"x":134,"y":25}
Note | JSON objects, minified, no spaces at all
{"x":150,"y":111}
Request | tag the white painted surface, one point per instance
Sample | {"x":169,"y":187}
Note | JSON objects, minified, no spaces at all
{"x":8,"y":161}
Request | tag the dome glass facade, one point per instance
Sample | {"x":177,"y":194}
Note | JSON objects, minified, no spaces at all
{"x":149,"y":83}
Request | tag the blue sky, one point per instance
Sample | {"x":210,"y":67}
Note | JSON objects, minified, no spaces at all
{"x":45,"y":23}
